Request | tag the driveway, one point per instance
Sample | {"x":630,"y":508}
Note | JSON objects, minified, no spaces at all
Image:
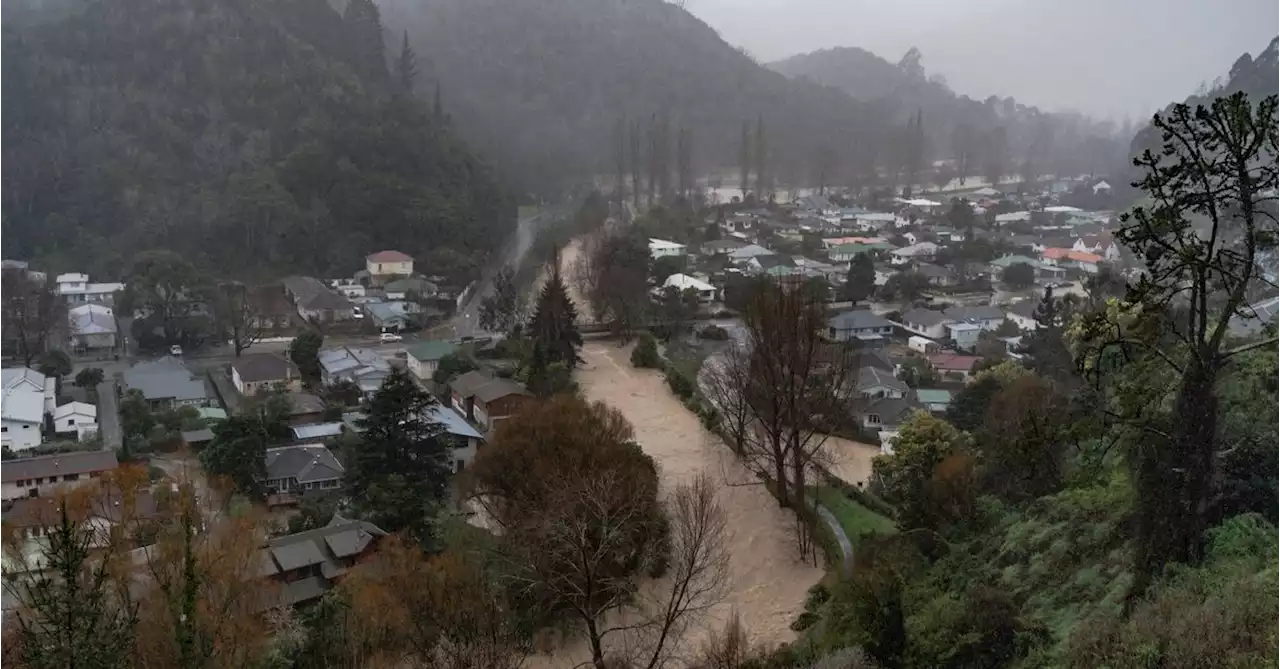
{"x":109,"y":415}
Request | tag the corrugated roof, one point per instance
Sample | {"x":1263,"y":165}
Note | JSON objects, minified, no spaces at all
{"x":80,"y":462}
{"x":431,"y":350}
{"x":305,"y":462}
{"x":297,"y":554}
{"x":318,"y":431}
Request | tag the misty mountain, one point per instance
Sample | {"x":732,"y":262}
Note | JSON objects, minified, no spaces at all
{"x":1064,"y":143}
{"x":540,"y":85}
{"x":244,"y":134}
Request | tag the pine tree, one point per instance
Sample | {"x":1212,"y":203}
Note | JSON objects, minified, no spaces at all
{"x":744,"y":159}
{"x":364,"y":22}
{"x":399,"y":473}
{"x":554,"y":325}
{"x":860,"y":282}
{"x":760,"y":151}
{"x":620,"y":159}
{"x":1044,"y":349}
{"x":407,"y":66}
{"x":70,"y":617}
{"x":635,"y":158}
{"x":437,"y":105}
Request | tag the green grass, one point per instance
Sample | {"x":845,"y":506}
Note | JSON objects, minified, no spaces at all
{"x":855,"y":518}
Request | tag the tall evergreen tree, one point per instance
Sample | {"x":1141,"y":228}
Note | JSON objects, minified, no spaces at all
{"x":744,"y":160}
{"x":407,"y":65}
{"x":760,"y":152}
{"x":364,"y":23}
{"x":398,"y":474}
{"x":636,"y":160}
{"x":860,"y":282}
{"x":554,"y":326}
{"x":1044,"y":350}
{"x":619,"y":147}
{"x":437,"y":105}
{"x":70,"y":615}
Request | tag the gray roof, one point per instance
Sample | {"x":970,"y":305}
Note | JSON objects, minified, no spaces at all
{"x":80,"y":462}
{"x":974,"y":313}
{"x":861,"y":319}
{"x":933,"y":271}
{"x":354,"y":362}
{"x":323,"y":547}
{"x":198,"y":436}
{"x":311,"y":293}
{"x":317,"y":431}
{"x":1025,"y":308}
{"x":257,"y":367}
{"x":872,"y":377}
{"x":297,"y":554}
{"x":1257,"y":317}
{"x":166,"y":378}
{"x":892,"y":410}
{"x":452,"y":422}
{"x":925,"y":317}
{"x":306,"y":462}
{"x":775,"y":260}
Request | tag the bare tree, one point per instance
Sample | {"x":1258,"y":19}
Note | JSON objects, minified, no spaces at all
{"x":237,"y":315}
{"x":31,"y":313}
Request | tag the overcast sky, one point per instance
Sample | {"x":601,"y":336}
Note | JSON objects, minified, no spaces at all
{"x":1105,"y":58}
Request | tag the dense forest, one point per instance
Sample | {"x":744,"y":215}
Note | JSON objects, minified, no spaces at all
{"x":999,"y":130}
{"x":254,"y":137}
{"x":541,"y":85}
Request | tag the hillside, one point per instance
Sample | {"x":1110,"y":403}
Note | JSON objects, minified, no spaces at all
{"x":957,"y":125}
{"x":237,"y":133}
{"x":541,"y":85}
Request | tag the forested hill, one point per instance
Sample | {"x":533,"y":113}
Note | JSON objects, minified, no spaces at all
{"x":252,"y":136}
{"x":541,"y":84}
{"x":1058,"y":142}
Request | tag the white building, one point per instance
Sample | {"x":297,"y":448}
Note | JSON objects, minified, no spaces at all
{"x":76,"y":418}
{"x":661,"y":248}
{"x":91,"y":327}
{"x":706,"y":291}
{"x":76,"y":289}
{"x":924,"y":251}
{"x":389,"y":263}
{"x":27,"y":396}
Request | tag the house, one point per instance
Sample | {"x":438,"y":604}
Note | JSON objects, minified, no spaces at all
{"x":317,"y":432}
{"x":32,"y":477}
{"x":986,"y":191}
{"x":883,"y":274}
{"x":400,"y":289}
{"x":927,"y":322}
{"x":935,"y":400}
{"x":485,"y":400}
{"x":886,"y":416}
{"x":76,"y":418}
{"x":935,"y":275}
{"x":922,"y":252}
{"x":32,"y":518}
{"x":964,"y":336}
{"x":988,"y":318}
{"x":999,"y":265}
{"x":1012,"y":217}
{"x":748,"y":252}
{"x":197,"y":438}
{"x":832,"y":242}
{"x":764,"y":263}
{"x":364,"y":367}
{"x":253,"y":373}
{"x":91,"y":327}
{"x":817,"y":204}
{"x":874,"y":382}
{"x":875,"y":220}
{"x":305,"y":409}
{"x":953,"y":364}
{"x":1101,"y":187}
{"x":682,"y":282}
{"x":392,"y":316}
{"x":1023,"y":314}
{"x":847,"y":252}
{"x":75,"y":289}
{"x":851,"y":324}
{"x":166,"y":383}
{"x":388,"y":263}
{"x":316,"y":302}
{"x":466,"y":439}
{"x":1065,"y":257}
{"x":1102,"y":245}
{"x":720,"y":247}
{"x":661,"y":248}
{"x":424,"y":359}
{"x":295,"y":471}
{"x":269,"y":308}
{"x":27,"y":397}
{"x":308,"y":564}
{"x":922,"y":344}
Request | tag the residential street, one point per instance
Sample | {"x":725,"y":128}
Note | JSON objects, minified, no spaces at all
{"x":109,"y":415}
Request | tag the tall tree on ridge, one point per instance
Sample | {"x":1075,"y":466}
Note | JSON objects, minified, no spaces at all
{"x":619,"y":147}
{"x":761,"y":152}
{"x":407,"y":66}
{"x":364,"y":22}
{"x":745,"y":160}
{"x":636,"y":161}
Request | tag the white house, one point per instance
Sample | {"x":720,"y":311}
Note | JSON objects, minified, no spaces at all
{"x":985,"y":317}
{"x":32,"y":477}
{"x":364,"y":367}
{"x":76,"y":289}
{"x":1101,"y":245}
{"x":929,"y":323}
{"x":78,"y":418}
{"x":924,"y":251}
{"x":424,"y":359}
{"x":706,"y":291}
{"x":91,"y":327}
{"x":27,"y":396}
{"x":748,"y":252}
{"x":1022,"y":314}
{"x":1012,"y":217}
{"x":389,"y":263}
{"x":1101,"y":186}
{"x":661,"y":248}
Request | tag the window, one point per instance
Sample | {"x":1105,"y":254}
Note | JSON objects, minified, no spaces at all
{"x":71,"y":422}
{"x":457,"y":467}
{"x":4,"y":429}
{"x":26,"y":427}
{"x":874,"y":419}
{"x":22,"y":483}
{"x":71,"y":477}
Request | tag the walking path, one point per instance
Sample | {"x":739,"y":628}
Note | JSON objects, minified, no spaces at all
{"x":846,"y":546}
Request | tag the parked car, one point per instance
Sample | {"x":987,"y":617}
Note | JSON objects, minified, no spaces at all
{"x":175,"y":350}
{"x":389,"y":338}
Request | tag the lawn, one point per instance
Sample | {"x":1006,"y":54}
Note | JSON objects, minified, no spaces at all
{"x":855,"y":518}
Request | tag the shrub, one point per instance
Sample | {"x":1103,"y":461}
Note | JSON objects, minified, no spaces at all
{"x":804,"y":621}
{"x":680,"y":384}
{"x":154,"y":473}
{"x":818,"y":595}
{"x":645,"y":354}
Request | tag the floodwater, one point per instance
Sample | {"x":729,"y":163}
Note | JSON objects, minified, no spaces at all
{"x":850,"y":460}
{"x":767,"y":579}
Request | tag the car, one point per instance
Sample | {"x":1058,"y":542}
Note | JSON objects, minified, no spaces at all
{"x":389,"y":337}
{"x":356,"y":313}
{"x":175,"y":350}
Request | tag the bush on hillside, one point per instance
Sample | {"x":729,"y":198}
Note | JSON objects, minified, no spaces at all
{"x":645,"y":354}
{"x":680,"y":384}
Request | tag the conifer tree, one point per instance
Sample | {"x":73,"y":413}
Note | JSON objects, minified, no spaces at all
{"x":364,"y":23}
{"x":554,"y":326}
{"x":744,"y":159}
{"x":760,"y":153}
{"x":407,"y":67}
{"x":398,"y":474}
{"x":69,"y":615}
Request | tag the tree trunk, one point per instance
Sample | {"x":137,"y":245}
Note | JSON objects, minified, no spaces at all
{"x":597,"y":651}
{"x":780,"y":474}
{"x":1174,"y":480}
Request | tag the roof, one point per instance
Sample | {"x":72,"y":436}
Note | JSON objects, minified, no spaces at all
{"x":165,"y":378}
{"x":387,"y":311}
{"x":774,"y":260}
{"x":305,"y":462}
{"x":722,"y":246}
{"x":71,"y":277}
{"x":953,"y":362}
{"x":963,"y":327}
{"x":1259,"y":315}
{"x":12,"y":376}
{"x":861,"y":319}
{"x":213,"y":413}
{"x":304,"y":403}
{"x":923,"y":248}
{"x":876,"y":216}
{"x":323,"y":546}
{"x":317,"y":431}
{"x":389,"y":256}
{"x":1013,"y":216}
{"x":452,"y":422}
{"x":353,"y":362}
{"x":749,"y":251}
{"x":258,"y":367}
{"x":409,"y":284}
{"x":891,"y":410}
{"x":979,"y":313}
{"x":46,"y":511}
{"x":79,"y":462}
{"x":873,"y":377}
{"x":22,"y":404}
{"x":1062,"y":209}
{"x":431,"y":350}
{"x":88,"y":319}
{"x":1025,"y":308}
{"x":933,"y":396}
{"x":933,"y":271}
{"x":73,"y":408}
{"x":311,"y":293}
{"x":683,"y":281}
{"x":485,"y":388}
{"x":663,"y":244}
{"x":856,"y":248}
{"x":925,"y":317}
{"x":198,"y":436}
{"x":1006,"y":261}
{"x":988,"y":191}
{"x":1082,"y":256}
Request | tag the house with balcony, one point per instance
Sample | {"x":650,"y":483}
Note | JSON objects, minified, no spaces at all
{"x":91,"y":327}
{"x":484,"y":400}
{"x":75,"y":288}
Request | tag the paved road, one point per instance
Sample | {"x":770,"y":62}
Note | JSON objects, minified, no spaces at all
{"x":466,"y":322}
{"x":109,"y":415}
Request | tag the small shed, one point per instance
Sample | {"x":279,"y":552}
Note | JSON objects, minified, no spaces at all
{"x":923,"y":344}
